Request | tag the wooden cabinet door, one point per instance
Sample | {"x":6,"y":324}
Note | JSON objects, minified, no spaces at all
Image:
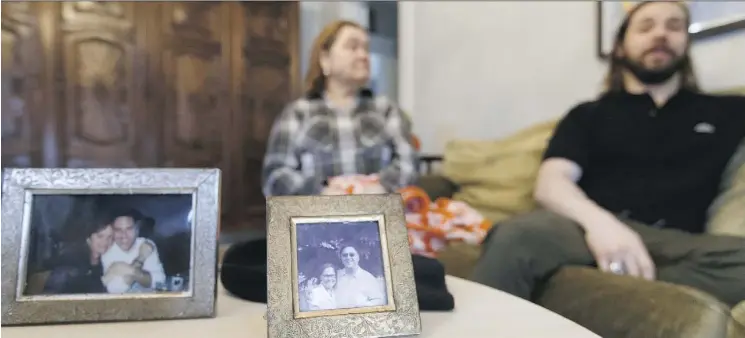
{"x":195,"y":49}
{"x":103,"y":85}
{"x":194,"y":78}
{"x":22,"y":63}
{"x":265,"y":69}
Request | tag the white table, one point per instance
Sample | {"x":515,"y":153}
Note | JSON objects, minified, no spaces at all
{"x":480,"y":312}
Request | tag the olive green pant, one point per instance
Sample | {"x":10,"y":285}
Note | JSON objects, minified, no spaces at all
{"x":521,"y":252}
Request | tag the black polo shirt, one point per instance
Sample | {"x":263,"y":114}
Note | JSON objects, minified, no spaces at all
{"x":659,"y":165}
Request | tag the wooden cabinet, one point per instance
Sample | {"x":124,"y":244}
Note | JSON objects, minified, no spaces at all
{"x":149,"y":84}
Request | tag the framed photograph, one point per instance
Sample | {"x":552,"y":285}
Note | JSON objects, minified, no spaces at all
{"x":708,"y":18}
{"x":87,"y":245}
{"x":339,"y":266}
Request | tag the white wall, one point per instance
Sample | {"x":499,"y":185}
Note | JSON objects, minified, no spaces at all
{"x":384,"y":66}
{"x":483,"y":70}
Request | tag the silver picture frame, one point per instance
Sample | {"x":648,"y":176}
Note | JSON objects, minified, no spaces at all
{"x":398,"y":316}
{"x":19,"y":188}
{"x":708,"y":18}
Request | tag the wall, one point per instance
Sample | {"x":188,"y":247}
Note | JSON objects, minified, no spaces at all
{"x":483,"y":70}
{"x":384,"y":66}
{"x":384,"y":48}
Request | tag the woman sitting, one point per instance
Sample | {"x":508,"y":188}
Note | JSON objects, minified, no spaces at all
{"x":338,"y":128}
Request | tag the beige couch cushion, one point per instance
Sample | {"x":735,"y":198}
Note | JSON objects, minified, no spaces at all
{"x":497,"y":177}
{"x":737,"y":324}
{"x":727,"y":213}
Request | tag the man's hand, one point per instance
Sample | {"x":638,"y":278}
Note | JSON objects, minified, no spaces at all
{"x":146,"y":249}
{"x":609,"y":240}
{"x":613,"y":242}
{"x":119,"y":269}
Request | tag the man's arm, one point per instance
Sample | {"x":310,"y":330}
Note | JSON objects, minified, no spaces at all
{"x":373,"y":290}
{"x":556,"y":189}
{"x":152,"y":271}
{"x":403,"y":169}
{"x":281,"y":173}
{"x":566,"y":157}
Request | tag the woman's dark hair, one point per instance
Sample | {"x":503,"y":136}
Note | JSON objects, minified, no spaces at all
{"x":95,"y":227}
{"x":324,"y":267}
{"x":98,"y":222}
{"x":614,"y":76}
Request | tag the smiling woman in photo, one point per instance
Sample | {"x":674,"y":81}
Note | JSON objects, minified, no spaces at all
{"x":323,"y":296}
{"x":80,"y":269}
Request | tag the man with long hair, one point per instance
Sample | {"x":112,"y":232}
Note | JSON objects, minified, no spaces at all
{"x":627,"y":179}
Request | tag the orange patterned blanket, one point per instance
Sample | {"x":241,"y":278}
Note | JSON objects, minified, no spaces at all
{"x":431,"y":224}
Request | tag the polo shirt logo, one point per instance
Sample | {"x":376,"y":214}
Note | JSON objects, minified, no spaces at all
{"x":704,"y":128}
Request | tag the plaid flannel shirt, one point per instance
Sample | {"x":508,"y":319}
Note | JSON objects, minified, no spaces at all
{"x":311,"y":142}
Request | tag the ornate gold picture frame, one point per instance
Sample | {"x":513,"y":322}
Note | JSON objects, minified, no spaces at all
{"x":339,"y":266}
{"x":89,"y":245}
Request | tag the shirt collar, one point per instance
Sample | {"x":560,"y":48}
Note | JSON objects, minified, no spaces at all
{"x":354,"y":274}
{"x":625,"y":94}
{"x":364,"y":93}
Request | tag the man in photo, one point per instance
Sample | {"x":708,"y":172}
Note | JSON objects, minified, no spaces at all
{"x":356,"y":287}
{"x":132,"y":264}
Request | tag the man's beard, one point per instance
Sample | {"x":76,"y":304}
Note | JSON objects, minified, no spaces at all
{"x":649,"y":76}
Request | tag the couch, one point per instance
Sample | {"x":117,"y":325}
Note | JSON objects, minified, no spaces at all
{"x":496,"y":178}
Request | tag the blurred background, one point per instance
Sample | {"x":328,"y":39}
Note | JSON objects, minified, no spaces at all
{"x":198,"y":84}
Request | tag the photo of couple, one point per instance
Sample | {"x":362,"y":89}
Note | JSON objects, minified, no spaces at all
{"x":109,"y":244}
{"x":340,"y":266}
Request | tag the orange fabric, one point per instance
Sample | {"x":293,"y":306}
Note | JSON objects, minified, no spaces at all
{"x":416,"y":143}
{"x":431,"y":225}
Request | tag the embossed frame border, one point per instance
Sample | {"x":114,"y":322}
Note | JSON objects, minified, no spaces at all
{"x":18,"y":188}
{"x":404,"y":320}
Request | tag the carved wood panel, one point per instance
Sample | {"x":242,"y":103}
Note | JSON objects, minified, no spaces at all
{"x":266,"y":79}
{"x":195,"y":68}
{"x":21,"y":76}
{"x":103,"y":85}
{"x":149,"y":84}
{"x":197,"y":123}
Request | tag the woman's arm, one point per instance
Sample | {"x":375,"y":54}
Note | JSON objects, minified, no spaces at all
{"x":404,"y":167}
{"x":281,"y":173}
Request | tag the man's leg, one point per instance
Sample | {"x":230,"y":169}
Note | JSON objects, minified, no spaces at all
{"x":522,"y":251}
{"x":714,"y":264}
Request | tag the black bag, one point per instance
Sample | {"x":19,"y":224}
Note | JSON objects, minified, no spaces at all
{"x":243,"y":274}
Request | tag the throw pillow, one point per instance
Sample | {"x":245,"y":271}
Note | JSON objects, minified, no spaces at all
{"x":496,"y":177}
{"x":727,"y":213}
